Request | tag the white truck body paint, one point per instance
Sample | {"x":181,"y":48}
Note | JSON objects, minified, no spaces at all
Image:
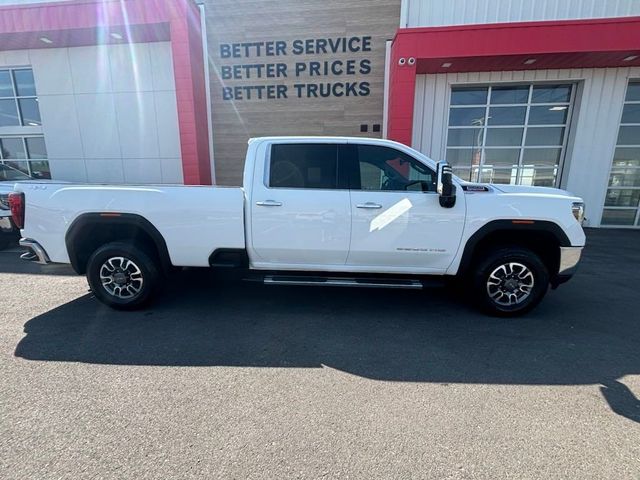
{"x":193,"y":220}
{"x":310,"y":230}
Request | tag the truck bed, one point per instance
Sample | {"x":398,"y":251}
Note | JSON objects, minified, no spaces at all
{"x":193,"y":220}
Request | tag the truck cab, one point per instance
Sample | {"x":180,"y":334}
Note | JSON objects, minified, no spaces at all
{"x":348,"y":206}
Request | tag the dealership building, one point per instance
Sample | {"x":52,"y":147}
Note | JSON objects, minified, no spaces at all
{"x":531,"y":92}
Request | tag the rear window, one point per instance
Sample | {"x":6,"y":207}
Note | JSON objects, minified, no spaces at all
{"x":304,"y":166}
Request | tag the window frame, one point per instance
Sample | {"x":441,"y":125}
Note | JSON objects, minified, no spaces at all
{"x":476,"y":171}
{"x":23,"y":131}
{"x":636,"y":221}
{"x":341,"y":179}
{"x":16,"y":97}
{"x":355,"y":181}
{"x":348,"y":167}
{"x":27,"y":158}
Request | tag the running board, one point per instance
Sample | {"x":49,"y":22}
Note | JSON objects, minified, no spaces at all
{"x":342,"y":282}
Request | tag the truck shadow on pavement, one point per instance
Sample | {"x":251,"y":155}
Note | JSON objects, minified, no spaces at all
{"x":10,"y":263}
{"x":583,"y":333}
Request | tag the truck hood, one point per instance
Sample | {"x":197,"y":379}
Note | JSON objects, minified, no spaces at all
{"x":546,"y":191}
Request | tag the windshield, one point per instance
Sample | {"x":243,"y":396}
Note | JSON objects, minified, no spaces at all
{"x":9,"y":173}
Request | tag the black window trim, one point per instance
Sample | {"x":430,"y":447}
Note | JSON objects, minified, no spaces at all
{"x":353,"y":168}
{"x":347,"y":168}
{"x":342,"y":182}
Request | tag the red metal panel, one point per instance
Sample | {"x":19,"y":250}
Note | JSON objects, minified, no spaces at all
{"x":505,"y":46}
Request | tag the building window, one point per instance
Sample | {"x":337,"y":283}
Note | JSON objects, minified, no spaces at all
{"x":27,"y":154}
{"x":21,"y":142}
{"x":621,"y":205}
{"x":509,"y":133}
{"x":18,"y":100}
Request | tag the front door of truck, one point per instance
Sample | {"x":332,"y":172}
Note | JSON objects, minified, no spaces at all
{"x":300,"y":215}
{"x":397,"y":221}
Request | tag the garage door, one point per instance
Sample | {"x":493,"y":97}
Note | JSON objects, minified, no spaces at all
{"x":514,"y":134}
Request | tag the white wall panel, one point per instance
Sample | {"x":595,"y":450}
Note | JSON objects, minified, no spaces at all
{"x":69,"y":170}
{"x":171,"y":170}
{"x":98,"y":125}
{"x":161,"y":66}
{"x":105,"y":171}
{"x":52,"y":71}
{"x":62,"y":132}
{"x":167,"y":119}
{"x":431,"y":13}
{"x":593,"y":130}
{"x":104,"y":105}
{"x":90,"y":69}
{"x":130,"y":67}
{"x":142,"y":170}
{"x":14,"y":58}
{"x":137,"y":126}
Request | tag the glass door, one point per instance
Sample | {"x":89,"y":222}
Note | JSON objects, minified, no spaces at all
{"x":513,"y":134}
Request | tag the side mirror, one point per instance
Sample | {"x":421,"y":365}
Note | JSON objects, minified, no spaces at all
{"x":445,"y":187}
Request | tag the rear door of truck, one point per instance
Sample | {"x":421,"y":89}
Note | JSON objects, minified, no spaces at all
{"x":300,"y":207}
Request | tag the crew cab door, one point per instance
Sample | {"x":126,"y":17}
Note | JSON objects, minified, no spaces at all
{"x":299,"y":215}
{"x":397,"y":221}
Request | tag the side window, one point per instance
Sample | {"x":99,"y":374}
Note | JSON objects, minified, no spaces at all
{"x":303,"y":166}
{"x":385,"y":168}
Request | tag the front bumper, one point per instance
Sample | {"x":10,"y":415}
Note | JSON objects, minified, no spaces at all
{"x":569,"y":259}
{"x":35,"y":253}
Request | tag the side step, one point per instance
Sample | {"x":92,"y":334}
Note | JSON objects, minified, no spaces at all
{"x":342,"y":282}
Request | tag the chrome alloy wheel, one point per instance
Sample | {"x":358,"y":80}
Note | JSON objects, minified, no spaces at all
{"x":510,"y":284}
{"x":121,"y":277}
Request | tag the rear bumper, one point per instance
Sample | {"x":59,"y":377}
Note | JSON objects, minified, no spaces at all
{"x":36,"y":253}
{"x":569,"y":259}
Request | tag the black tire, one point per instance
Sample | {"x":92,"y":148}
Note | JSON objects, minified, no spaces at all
{"x":505,"y":263}
{"x":133,"y":294}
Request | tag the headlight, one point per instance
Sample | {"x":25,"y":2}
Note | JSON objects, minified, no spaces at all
{"x":577,"y":208}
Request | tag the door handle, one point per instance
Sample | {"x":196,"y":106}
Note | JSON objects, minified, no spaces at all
{"x":369,"y":205}
{"x":269,"y":203}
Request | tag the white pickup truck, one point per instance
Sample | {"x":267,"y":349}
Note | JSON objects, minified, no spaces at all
{"x":313,"y":211}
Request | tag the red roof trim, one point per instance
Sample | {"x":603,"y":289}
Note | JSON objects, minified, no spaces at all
{"x":508,"y":25}
{"x":592,"y":43}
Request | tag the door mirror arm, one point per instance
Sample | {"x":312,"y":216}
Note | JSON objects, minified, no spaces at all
{"x":444,"y":186}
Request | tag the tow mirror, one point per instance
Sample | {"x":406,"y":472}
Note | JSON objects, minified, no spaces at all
{"x":445,"y":187}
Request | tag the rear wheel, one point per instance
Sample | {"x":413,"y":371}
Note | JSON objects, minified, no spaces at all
{"x":510,"y":281}
{"x":122,"y":276}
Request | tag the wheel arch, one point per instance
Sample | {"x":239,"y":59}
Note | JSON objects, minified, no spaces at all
{"x":89,"y":231}
{"x":543,"y":237}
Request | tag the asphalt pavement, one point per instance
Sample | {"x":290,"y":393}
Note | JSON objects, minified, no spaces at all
{"x":228,"y":379}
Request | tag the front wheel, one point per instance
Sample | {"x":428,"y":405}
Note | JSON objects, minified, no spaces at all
{"x":510,"y":281}
{"x":122,"y":276}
